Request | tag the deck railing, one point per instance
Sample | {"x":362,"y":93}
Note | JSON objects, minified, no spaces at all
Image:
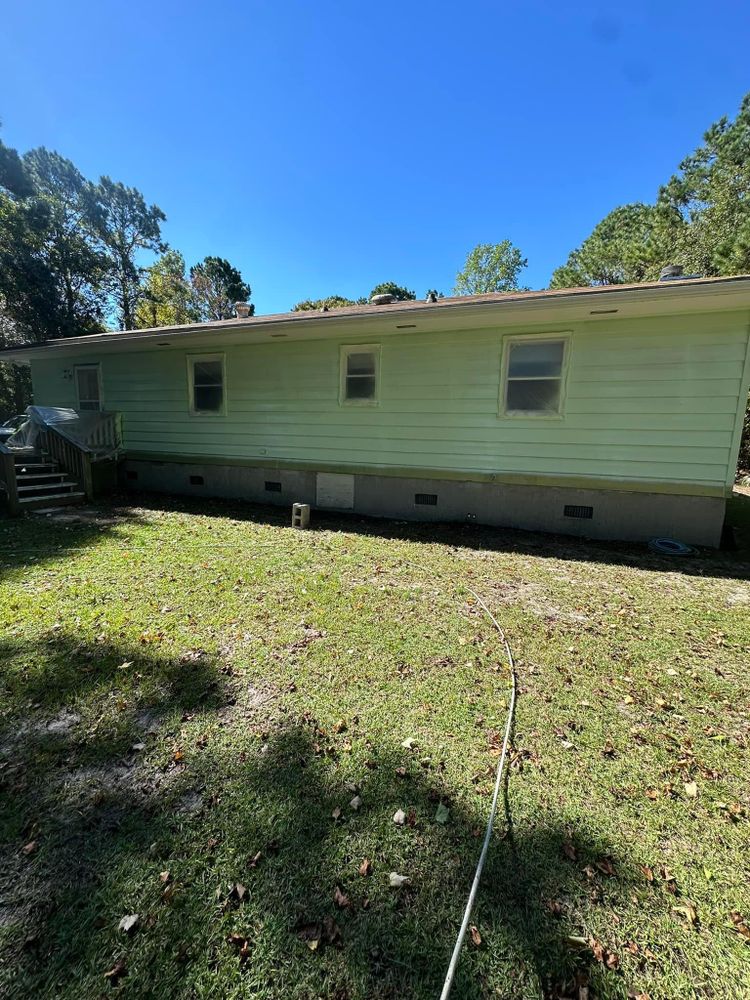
{"x":75,"y":459}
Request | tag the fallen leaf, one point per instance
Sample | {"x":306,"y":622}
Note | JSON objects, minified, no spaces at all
{"x":740,"y":924}
{"x":129,"y":923}
{"x":397,"y":881}
{"x":336,"y":814}
{"x":399,"y":817}
{"x":30,"y":848}
{"x":238,"y":892}
{"x":137,"y":747}
{"x":340,"y":726}
{"x":688,"y":911}
{"x":117,"y":971}
{"x":409,"y":744}
{"x":569,"y":850}
{"x":164,"y":877}
{"x":442,"y":814}
{"x":340,"y":898}
{"x":476,"y":937}
{"x":691,"y":790}
{"x":366,"y":867}
{"x":255,"y":859}
{"x":242,"y":944}
{"x":355,"y":803}
{"x":648,"y":873}
{"x":125,"y":665}
{"x":605,"y":866}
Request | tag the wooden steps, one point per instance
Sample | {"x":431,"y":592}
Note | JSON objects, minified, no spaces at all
{"x":42,"y":483}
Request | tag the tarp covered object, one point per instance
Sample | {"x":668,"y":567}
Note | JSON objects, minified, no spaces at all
{"x":90,"y":429}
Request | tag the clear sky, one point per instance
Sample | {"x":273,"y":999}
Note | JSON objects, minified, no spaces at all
{"x":326,"y":146}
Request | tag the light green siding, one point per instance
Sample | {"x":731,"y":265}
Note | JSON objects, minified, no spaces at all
{"x":649,"y":400}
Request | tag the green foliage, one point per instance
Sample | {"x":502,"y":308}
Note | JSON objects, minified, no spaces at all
{"x":322,"y":305}
{"x":491,"y":267}
{"x":78,"y":266}
{"x":217,"y":285}
{"x":399,"y":293}
{"x":125,"y":226}
{"x":710,"y":198}
{"x":700,"y":220}
{"x":628,"y":245}
{"x":167,"y":298}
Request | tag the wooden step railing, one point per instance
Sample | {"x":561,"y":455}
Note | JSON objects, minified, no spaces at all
{"x":75,"y":459}
{"x":8,"y":480}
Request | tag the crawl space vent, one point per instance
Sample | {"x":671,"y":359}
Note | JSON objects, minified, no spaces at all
{"x":569,"y":510}
{"x":196,"y":480}
{"x":273,"y":487}
{"x":425,"y":499}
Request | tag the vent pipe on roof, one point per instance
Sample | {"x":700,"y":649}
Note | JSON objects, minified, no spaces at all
{"x":670,"y":272}
{"x":381,"y":300}
{"x":242,"y":309}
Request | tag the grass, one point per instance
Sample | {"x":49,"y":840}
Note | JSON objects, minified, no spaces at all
{"x":190,"y":700}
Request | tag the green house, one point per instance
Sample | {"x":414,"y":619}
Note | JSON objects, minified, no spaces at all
{"x":610,"y":412}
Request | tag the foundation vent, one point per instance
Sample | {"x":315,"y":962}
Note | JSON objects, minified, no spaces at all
{"x":131,"y":474}
{"x":569,"y":510}
{"x":196,"y":481}
{"x":272,"y":487}
{"x":425,"y":499}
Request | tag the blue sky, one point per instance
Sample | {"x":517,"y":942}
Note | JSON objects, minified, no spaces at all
{"x":324,"y":147}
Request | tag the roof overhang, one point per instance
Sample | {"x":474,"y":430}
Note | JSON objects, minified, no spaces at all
{"x":561,"y":307}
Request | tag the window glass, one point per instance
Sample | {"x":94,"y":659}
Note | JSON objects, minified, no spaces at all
{"x":528,"y":360}
{"x":535,"y":395}
{"x":361,"y":375}
{"x":208,"y":385}
{"x":87,"y":388}
{"x":534,"y":377}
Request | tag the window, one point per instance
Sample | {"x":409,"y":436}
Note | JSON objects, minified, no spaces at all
{"x":88,"y":387}
{"x":534,"y":370}
{"x":206,"y":374}
{"x":360,"y":374}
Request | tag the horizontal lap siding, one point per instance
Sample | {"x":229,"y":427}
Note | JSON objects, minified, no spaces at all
{"x":649,"y":399}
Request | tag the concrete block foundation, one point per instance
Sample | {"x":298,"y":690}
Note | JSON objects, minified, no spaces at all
{"x":603,"y":514}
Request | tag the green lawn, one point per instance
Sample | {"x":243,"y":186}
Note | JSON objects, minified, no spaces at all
{"x":191,"y":697}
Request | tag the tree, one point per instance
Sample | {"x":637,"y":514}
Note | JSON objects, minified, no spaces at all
{"x":491,"y":267}
{"x":167,"y":298}
{"x":69,"y":249}
{"x":322,"y":305}
{"x":126,"y":226}
{"x":628,"y":245}
{"x":217,"y":285}
{"x":709,"y":199}
{"x":399,"y":293}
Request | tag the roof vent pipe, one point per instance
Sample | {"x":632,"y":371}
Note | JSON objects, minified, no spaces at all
{"x":381,"y":300}
{"x":670,"y":272}
{"x":242,"y":309}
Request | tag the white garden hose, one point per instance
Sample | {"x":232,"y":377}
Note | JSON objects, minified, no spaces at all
{"x":493,"y":809}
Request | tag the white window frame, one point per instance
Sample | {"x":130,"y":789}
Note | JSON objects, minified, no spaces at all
{"x":92,"y":367}
{"x":192,"y":359}
{"x":344,"y":352}
{"x":538,"y":338}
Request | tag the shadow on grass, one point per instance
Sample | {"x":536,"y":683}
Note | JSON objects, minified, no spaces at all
{"x":732,"y":564}
{"x":250,"y":797}
{"x":39,"y":539}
